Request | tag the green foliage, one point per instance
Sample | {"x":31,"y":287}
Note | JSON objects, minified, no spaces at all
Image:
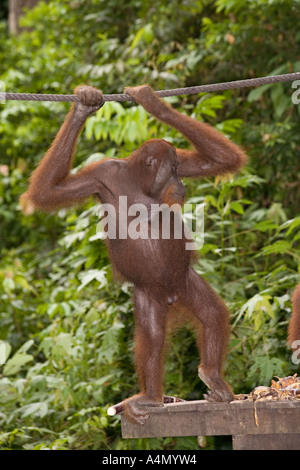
{"x":66,"y":327}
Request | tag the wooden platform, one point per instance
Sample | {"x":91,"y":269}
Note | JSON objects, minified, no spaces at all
{"x":261,"y":425}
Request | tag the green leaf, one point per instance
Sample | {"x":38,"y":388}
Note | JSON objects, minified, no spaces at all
{"x":281,"y":246}
{"x":237,"y":207}
{"x":24,"y":348}
{"x":145,"y":33}
{"x":148,"y":33}
{"x":255,"y":307}
{"x":15,"y":364}
{"x":5,"y":349}
{"x":38,"y":409}
{"x":19,"y":359}
{"x":255,"y":94}
{"x":264,"y":368}
{"x":110,"y":341}
{"x":89,"y":127}
{"x":93,"y":274}
{"x":265,"y":226}
{"x":296,"y":237}
{"x":294,"y":223}
{"x":8,"y":284}
{"x":65,"y":341}
{"x":247,"y":180}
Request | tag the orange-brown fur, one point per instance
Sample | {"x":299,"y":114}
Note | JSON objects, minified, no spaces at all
{"x":161,"y":271}
{"x":294,"y":325}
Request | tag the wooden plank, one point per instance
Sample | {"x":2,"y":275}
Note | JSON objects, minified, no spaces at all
{"x":266,"y":442}
{"x":198,"y":418}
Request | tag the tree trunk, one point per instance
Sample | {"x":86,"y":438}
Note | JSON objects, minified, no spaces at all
{"x":15,"y":11}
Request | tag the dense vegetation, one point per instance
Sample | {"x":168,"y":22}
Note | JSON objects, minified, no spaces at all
{"x":66,"y":327}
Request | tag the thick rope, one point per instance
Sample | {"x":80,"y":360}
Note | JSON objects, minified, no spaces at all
{"x":163,"y":93}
